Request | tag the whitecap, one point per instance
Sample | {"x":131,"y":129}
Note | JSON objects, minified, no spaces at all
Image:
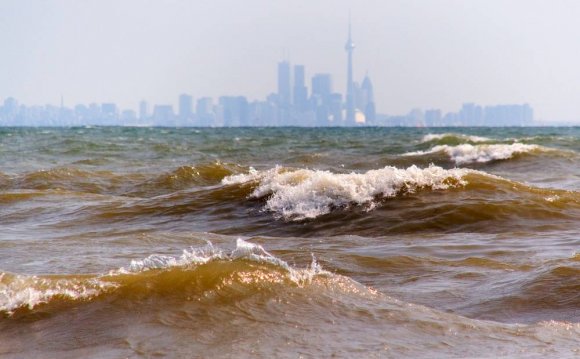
{"x":439,"y":136}
{"x":301,"y":194}
{"x":197,"y":256}
{"x":19,"y":291}
{"x":467,"y":153}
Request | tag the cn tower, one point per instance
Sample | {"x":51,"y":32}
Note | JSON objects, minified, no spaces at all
{"x":349,"y":47}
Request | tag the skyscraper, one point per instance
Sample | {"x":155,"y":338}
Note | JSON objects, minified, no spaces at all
{"x":284,"y":83}
{"x":143,"y":110}
{"x":205,"y":112}
{"x":110,"y":113}
{"x":163,"y":115}
{"x":349,"y":47}
{"x":322,"y":86}
{"x":368,"y":105}
{"x":321,"y":98}
{"x":300,"y":94}
{"x":185,"y":107}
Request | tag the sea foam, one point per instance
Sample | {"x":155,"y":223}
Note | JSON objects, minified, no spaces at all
{"x":24,"y":291}
{"x":197,"y":256}
{"x":467,"y":153}
{"x":301,"y":194}
{"x":17,"y":291}
{"x":440,"y":136}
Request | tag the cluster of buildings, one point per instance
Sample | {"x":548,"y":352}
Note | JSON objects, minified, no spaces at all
{"x":470,"y":115}
{"x":293,"y":104}
{"x":321,"y":108}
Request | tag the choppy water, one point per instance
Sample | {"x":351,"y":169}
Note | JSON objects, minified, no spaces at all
{"x":423,"y":243}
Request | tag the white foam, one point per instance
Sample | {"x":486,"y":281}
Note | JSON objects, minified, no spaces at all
{"x":466,"y":153}
{"x":439,"y":136}
{"x":252,"y":175}
{"x":254,"y":252}
{"x":193,"y":256}
{"x":301,"y":194}
{"x":19,"y":291}
{"x":552,"y":198}
{"x":197,"y":256}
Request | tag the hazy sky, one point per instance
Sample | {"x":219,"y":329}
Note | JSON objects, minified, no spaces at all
{"x":418,"y":53}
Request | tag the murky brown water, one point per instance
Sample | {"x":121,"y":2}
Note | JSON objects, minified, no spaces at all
{"x":124,"y":242}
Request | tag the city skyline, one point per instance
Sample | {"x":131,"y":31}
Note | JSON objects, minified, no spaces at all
{"x":234,"y":111}
{"x":436,"y":54}
{"x":291,"y":104}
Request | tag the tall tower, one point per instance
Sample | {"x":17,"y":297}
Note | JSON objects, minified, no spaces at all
{"x":349,"y":47}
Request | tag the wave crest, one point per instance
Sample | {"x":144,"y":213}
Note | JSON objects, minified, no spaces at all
{"x":448,"y":138}
{"x":20,"y":291}
{"x":301,"y":194}
{"x":467,"y":153}
{"x":250,"y":263}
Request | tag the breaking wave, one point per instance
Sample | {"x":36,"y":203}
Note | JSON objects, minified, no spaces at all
{"x":468,"y":153}
{"x":451,"y":138}
{"x":248,"y":264}
{"x":303,"y":193}
{"x":20,"y":291}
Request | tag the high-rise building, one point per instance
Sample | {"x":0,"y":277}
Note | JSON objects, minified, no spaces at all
{"x":368,"y":101}
{"x":284,"y":95}
{"x":233,"y":111}
{"x":163,"y":115}
{"x":109,"y":109}
{"x":185,"y":109}
{"x":367,"y":91}
{"x":322,"y":86}
{"x":433,"y":118}
{"x":10,"y":107}
{"x":128,"y":117}
{"x":110,"y":114}
{"x":300,"y":95}
{"x":335,"y":107}
{"x":471,"y":115}
{"x":204,"y":111}
{"x":321,"y":98}
{"x":508,"y":115}
{"x":350,"y":109}
{"x":143,"y":110}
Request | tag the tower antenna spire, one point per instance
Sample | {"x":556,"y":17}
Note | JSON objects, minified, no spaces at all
{"x":349,"y":26}
{"x":349,"y":47}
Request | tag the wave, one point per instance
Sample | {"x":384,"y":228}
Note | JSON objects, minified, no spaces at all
{"x":392,"y":200}
{"x":307,"y":202}
{"x":249,"y":290}
{"x":301,"y":194}
{"x":468,"y":153}
{"x":207,"y":269}
{"x":210,"y":272}
{"x":184,"y":177}
{"x":120,"y":184}
{"x":556,"y":287}
{"x":453,"y":138}
{"x":20,"y":291}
